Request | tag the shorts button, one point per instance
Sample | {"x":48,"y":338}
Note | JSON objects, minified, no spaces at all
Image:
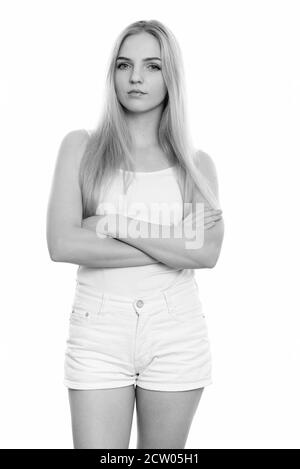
{"x":140,"y":303}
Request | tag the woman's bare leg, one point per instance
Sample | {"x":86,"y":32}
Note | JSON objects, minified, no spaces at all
{"x":101,"y":418}
{"x":164,"y":418}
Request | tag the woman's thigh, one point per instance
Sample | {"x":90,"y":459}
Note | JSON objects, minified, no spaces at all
{"x":164,"y":418}
{"x":101,"y":418}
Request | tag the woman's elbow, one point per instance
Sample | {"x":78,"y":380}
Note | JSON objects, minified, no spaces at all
{"x":208,"y":262}
{"x":214,"y":254}
{"x":210,"y":259}
{"x":55,"y":250}
{"x":55,"y":257}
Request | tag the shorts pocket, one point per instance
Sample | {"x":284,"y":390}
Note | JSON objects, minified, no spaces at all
{"x":187,"y":308}
{"x":82,"y":315}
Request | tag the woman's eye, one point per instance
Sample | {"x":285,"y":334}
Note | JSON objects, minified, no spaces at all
{"x":156,"y":66}
{"x":120,"y":65}
{"x":150,"y":65}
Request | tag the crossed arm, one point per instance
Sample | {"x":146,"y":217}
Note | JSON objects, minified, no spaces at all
{"x":70,"y":239}
{"x":121,"y":248}
{"x":175,"y":249}
{"x":81,"y":246}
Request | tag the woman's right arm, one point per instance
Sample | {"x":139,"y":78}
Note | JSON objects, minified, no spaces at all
{"x":67,"y":240}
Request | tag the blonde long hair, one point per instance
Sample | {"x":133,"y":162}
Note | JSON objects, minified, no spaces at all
{"x":109,"y":144}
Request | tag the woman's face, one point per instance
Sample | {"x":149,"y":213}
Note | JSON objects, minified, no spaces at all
{"x":134,"y":72}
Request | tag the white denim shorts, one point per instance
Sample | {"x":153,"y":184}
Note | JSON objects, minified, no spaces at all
{"x":158,"y":342}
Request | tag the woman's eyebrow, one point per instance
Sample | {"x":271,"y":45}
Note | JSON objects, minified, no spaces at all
{"x":144,"y":60}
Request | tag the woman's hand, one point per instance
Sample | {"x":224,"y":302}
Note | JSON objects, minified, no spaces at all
{"x":209,"y":216}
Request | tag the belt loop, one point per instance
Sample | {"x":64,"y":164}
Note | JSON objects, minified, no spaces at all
{"x":168,"y":300}
{"x":102,"y":300}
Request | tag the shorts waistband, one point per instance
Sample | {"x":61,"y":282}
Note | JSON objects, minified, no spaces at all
{"x":90,"y":296}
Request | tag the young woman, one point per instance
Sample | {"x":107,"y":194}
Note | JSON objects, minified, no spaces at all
{"x":137,"y":329}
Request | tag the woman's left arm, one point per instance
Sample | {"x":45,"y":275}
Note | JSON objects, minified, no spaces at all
{"x":170,"y":246}
{"x":174,"y":249}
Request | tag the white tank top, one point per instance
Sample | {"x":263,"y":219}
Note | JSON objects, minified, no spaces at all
{"x":155,"y":187}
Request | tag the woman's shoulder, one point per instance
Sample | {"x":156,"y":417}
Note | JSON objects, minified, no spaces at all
{"x":73,"y":146}
{"x":76,"y":136}
{"x":206,"y":166}
{"x":201,"y":159}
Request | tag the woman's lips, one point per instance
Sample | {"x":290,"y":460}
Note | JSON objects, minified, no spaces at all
{"x":137,"y":90}
{"x":136,"y":94}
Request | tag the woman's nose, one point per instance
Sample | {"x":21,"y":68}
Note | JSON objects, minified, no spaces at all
{"x":136,"y":76}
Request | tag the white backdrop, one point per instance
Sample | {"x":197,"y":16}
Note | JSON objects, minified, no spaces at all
{"x":242,"y":70}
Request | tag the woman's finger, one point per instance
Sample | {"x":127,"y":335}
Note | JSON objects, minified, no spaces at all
{"x":212,"y":218}
{"x":210,"y":215}
{"x":209,"y":225}
{"x":213,"y":209}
